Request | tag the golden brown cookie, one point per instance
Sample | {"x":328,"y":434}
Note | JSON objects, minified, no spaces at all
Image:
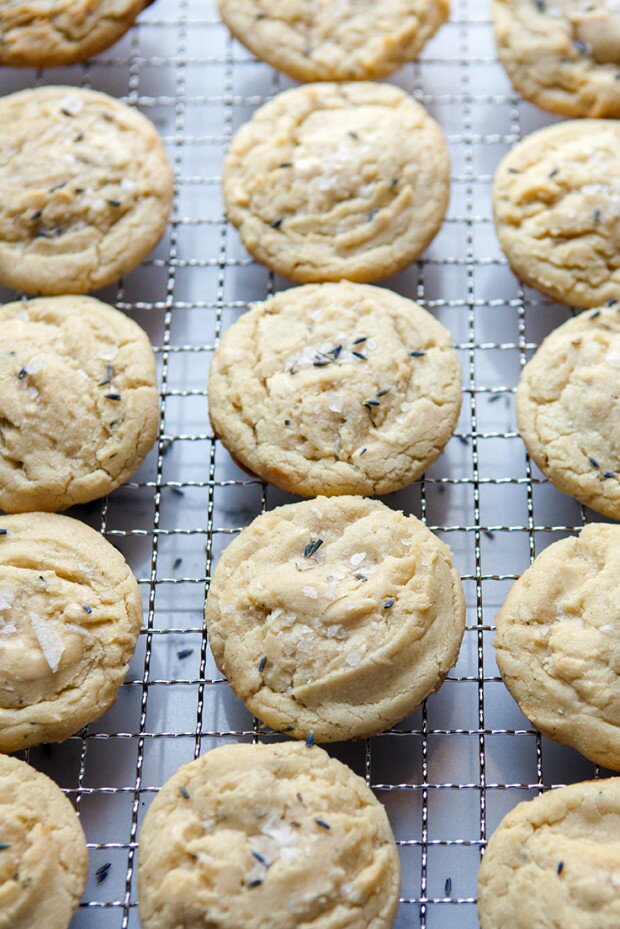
{"x":85,"y":190}
{"x":70,"y":614}
{"x":261,"y":836}
{"x":558,"y":643}
{"x":46,"y":33}
{"x":326,"y":41}
{"x":562,"y":55}
{"x":71,"y":351}
{"x":568,"y":408}
{"x":336,"y":616}
{"x":556,"y":199}
{"x":335,"y":389}
{"x":333,"y":181}
{"x":555,"y":861}
{"x":43,"y":856}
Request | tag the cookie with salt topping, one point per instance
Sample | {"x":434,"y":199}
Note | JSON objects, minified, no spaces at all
{"x":562,"y":55}
{"x":335,"y":389}
{"x":568,"y":408}
{"x":261,"y":836}
{"x":49,"y":33}
{"x":335,"y":617}
{"x":338,"y":181}
{"x":556,"y":199}
{"x":70,"y":614}
{"x":57,"y":352}
{"x":85,"y":190}
{"x":43,"y":855}
{"x":344,"y":41}
{"x":557,"y":856}
{"x":558,"y":643}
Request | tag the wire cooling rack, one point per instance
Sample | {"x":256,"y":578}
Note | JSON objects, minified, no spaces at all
{"x":449,"y":772}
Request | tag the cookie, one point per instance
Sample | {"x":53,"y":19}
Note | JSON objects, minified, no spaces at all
{"x":555,"y":861}
{"x":568,"y":409}
{"x":335,"y":389}
{"x":326,"y":41}
{"x":43,"y":857}
{"x":85,"y":190}
{"x":558,"y":643}
{"x":46,"y":33}
{"x":332,"y":181}
{"x":261,"y":836}
{"x":70,"y":614}
{"x":563,"y":56}
{"x":556,"y":199}
{"x":72,"y":352}
{"x":335,"y":617}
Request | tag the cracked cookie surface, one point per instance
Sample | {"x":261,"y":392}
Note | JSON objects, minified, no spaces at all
{"x":85,"y":190}
{"x":556,"y":199}
{"x":562,"y":55}
{"x":335,"y":616}
{"x":43,"y":861}
{"x":274,"y":836}
{"x":568,"y":409}
{"x":48,"y":33}
{"x":70,"y":614}
{"x":75,"y":352}
{"x":332,"y":181}
{"x":557,"y":856}
{"x":335,"y":389}
{"x":558,"y":643}
{"x":326,"y":41}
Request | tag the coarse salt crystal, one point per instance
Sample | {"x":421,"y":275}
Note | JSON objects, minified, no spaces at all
{"x":336,"y":632}
{"x":7,"y":596}
{"x":275,"y":614}
{"x":353,"y":659}
{"x":357,"y":558}
{"x":310,"y":592}
{"x":127,"y":185}
{"x":33,"y":367}
{"x":335,"y":403}
{"x":49,"y":640}
{"x":7,"y":628}
{"x":71,"y":104}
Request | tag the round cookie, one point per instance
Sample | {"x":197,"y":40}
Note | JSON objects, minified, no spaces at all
{"x":43,"y":856}
{"x":263,"y":836}
{"x":326,"y":41}
{"x":568,"y":409}
{"x":555,"y":861}
{"x":335,"y":389}
{"x":47,"y":33}
{"x":558,"y":643}
{"x":556,"y":199}
{"x":335,"y":617}
{"x":332,"y":181}
{"x":563,"y":56}
{"x":70,"y":614}
{"x":78,"y":351}
{"x":85,"y":190}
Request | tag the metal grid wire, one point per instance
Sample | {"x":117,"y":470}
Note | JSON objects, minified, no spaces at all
{"x":449,"y":772}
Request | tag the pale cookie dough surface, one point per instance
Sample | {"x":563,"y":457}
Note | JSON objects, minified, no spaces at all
{"x":346,"y":40}
{"x":70,"y":614}
{"x":332,"y":181}
{"x":267,"y":837}
{"x":336,"y":616}
{"x":558,"y":643}
{"x":555,"y":862}
{"x":336,"y":389}
{"x":75,"y":352}
{"x":563,"y":55}
{"x":85,"y":190}
{"x":556,"y":199}
{"x":43,"y":858}
{"x":568,"y":408}
{"x":46,"y":33}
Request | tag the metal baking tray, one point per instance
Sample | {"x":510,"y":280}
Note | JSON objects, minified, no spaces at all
{"x":448,"y":773}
